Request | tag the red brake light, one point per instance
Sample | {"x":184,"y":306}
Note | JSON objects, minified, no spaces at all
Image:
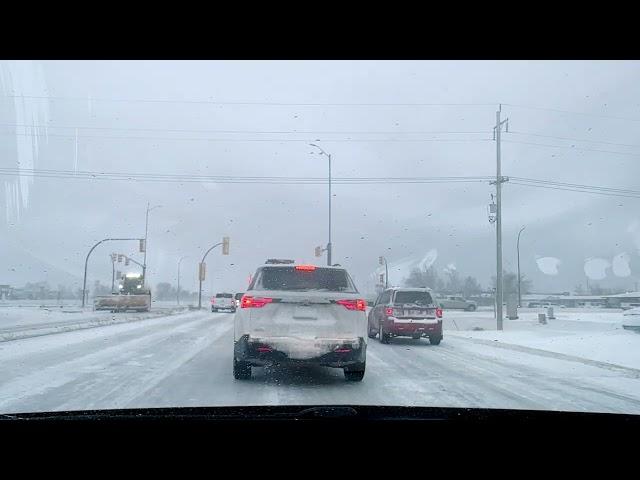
{"x":254,"y":302}
{"x":360,"y":305}
{"x":306,"y":268}
{"x":213,"y":300}
{"x":389,"y":311}
{"x":438,"y":312}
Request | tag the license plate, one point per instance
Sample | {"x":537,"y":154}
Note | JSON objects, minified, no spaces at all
{"x":308,"y":313}
{"x":415,"y":312}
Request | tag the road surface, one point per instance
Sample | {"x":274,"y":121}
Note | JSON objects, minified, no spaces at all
{"x":185,"y":360}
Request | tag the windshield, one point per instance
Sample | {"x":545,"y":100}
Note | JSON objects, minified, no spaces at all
{"x":137,"y":196}
{"x":289,"y":278}
{"x":420,"y":298}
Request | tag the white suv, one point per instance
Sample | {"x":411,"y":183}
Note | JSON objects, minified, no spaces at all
{"x":223,"y":301}
{"x":301,"y":314}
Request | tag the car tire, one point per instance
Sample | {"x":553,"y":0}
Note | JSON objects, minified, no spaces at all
{"x":384,"y":337}
{"x":371,"y":333}
{"x":214,"y":310}
{"x":233,"y":310}
{"x":241,"y":370}
{"x":435,"y":340}
{"x":354,"y":373}
{"x":471,"y":308}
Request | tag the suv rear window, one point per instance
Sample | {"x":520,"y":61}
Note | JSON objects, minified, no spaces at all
{"x":223,"y":295}
{"x":288,"y":278}
{"x":419,"y":298}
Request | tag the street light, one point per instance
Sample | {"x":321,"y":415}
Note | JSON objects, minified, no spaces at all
{"x":383,"y":260}
{"x":178,"y":294}
{"x":201,"y":269}
{"x":146,"y":231}
{"x":322,"y":152}
{"x":518,"y":249}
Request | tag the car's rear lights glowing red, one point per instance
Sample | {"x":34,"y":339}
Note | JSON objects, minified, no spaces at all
{"x":254,"y":302}
{"x":265,"y":349}
{"x":439,"y":312}
{"x":389,"y":311}
{"x":360,"y":305}
{"x":342,"y":350}
{"x":305,"y":268}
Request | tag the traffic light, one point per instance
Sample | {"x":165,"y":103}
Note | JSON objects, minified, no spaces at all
{"x":225,"y":245}
{"x":126,"y":261}
{"x":120,"y":258}
{"x":114,"y":257}
{"x":202,"y":267}
{"x":382,"y":278}
{"x":381,"y":260}
{"x":318,"y":251}
{"x":143,"y":245}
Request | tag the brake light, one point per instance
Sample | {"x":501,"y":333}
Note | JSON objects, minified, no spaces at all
{"x":438,"y":312}
{"x":389,"y":311}
{"x":254,"y":302}
{"x":264,"y":349}
{"x":359,"y":305}
{"x":213,"y":300}
{"x":306,"y":268}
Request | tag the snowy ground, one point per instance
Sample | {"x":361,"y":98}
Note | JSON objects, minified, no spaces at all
{"x":35,"y":319}
{"x":185,"y":360}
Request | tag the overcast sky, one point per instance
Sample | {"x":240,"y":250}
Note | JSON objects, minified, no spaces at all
{"x":96,"y":122}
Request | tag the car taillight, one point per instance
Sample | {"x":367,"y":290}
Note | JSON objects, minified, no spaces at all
{"x":360,"y":305}
{"x":254,"y":302}
{"x":389,"y":311}
{"x":213,"y":300}
{"x":438,"y":312}
{"x":305,"y":268}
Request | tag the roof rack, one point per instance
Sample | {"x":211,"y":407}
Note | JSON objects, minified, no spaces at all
{"x":279,"y":261}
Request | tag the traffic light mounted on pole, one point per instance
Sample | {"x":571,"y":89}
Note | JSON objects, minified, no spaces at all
{"x":225,"y":245}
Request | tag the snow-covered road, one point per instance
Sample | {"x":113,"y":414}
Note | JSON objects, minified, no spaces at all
{"x":185,"y":360}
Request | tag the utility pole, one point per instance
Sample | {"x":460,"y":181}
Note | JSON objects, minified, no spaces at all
{"x":518,"y":248}
{"x":499,"y":180}
{"x":382,"y":260}
{"x":178,"y":294}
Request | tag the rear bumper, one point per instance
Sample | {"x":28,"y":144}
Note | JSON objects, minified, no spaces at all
{"x":336,"y":354}
{"x":400,"y":328}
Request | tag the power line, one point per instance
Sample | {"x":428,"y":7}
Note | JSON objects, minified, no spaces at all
{"x":279,"y":140}
{"x":572,"y":148}
{"x":573,"y":112}
{"x":574,"y":139}
{"x":265,"y":132}
{"x":574,"y":185}
{"x":180,"y":178}
{"x":277,"y":104}
{"x":551,"y":187}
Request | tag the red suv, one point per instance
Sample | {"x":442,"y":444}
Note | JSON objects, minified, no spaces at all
{"x":405,"y":312}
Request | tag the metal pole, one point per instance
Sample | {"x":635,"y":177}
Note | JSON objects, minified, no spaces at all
{"x":498,"y":227}
{"x":329,"y":246}
{"x":113,"y":274}
{"x":386,"y":273}
{"x":146,"y":231}
{"x":86,"y":262}
{"x":200,"y":276}
{"x":518,"y":248}
{"x":178,"y":294}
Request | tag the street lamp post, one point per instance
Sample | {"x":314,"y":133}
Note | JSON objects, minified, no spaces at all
{"x":518,"y":249}
{"x":386,"y":271}
{"x":200,"y":276}
{"x":329,"y":246}
{"x":146,"y":232}
{"x":178,"y":294}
